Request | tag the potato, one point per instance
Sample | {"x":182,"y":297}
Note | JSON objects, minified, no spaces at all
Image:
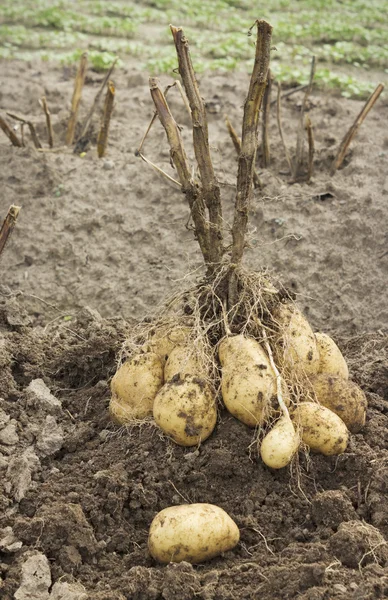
{"x":342,"y":397}
{"x":191,"y":532}
{"x":183,"y":360}
{"x":322,"y":429}
{"x":280,"y":444}
{"x":185,"y":409}
{"x":134,"y":388}
{"x":298,"y":351}
{"x":248,"y":381}
{"x":331,"y":360}
{"x":165,"y":339}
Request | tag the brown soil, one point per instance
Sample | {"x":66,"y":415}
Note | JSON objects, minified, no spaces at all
{"x":110,"y":234}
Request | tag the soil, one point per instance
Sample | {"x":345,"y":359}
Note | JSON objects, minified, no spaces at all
{"x":99,"y":245}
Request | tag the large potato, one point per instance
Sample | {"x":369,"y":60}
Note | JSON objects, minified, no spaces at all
{"x":241,"y":349}
{"x":134,"y":388}
{"x":321,"y":429}
{"x":343,"y":397}
{"x":280,"y":444}
{"x":164,"y":340}
{"x":185,"y":409}
{"x":297,"y":348}
{"x":191,"y":532}
{"x":184,"y":360}
{"x":331,"y":360}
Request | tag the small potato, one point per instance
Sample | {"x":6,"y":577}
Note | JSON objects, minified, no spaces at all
{"x":280,"y":444}
{"x":165,"y":339}
{"x":134,"y":388}
{"x":183,"y":360}
{"x":298,"y":350}
{"x":185,"y":409}
{"x":191,"y":532}
{"x":343,"y":397}
{"x":322,"y":429}
{"x":331,"y":360}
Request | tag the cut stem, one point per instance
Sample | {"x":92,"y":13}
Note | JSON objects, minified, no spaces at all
{"x":11,"y":135}
{"x":81,"y":140}
{"x":102,"y":140}
{"x":354,"y":128}
{"x":279,"y":120}
{"x":310,"y":139}
{"x":210,"y":186}
{"x":8,"y":225}
{"x":50,"y":133}
{"x":78,"y":85}
{"x":30,"y":125}
{"x":179,"y":158}
{"x":301,"y":130}
{"x":237,"y":146}
{"x":265,"y":125}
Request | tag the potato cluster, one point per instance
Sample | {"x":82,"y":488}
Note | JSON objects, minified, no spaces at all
{"x":299,"y":381}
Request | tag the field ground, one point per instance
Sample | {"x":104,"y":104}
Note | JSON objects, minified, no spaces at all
{"x":101,"y":243}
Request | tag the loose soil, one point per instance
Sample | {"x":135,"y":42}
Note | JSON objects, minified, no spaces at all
{"x":99,"y":245}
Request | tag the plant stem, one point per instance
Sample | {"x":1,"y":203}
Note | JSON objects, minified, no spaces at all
{"x":31,"y":127}
{"x":279,"y":120}
{"x":301,"y":134}
{"x":104,"y":130}
{"x":8,"y":225}
{"x":310,"y":138}
{"x":265,"y":124}
{"x":237,"y":145}
{"x":10,"y":134}
{"x":78,"y":85}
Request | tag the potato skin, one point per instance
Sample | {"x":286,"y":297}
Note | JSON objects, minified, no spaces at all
{"x":331,"y":360}
{"x":182,"y":361}
{"x":248,"y":381}
{"x":298,"y":350}
{"x":280,"y":444}
{"x":342,"y":397}
{"x":165,"y":339}
{"x":134,"y":387}
{"x":185,"y":409}
{"x":321,"y":429}
{"x":191,"y":532}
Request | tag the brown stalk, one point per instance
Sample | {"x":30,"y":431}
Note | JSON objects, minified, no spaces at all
{"x":291,"y":92}
{"x":82,"y":140}
{"x":75,"y":101}
{"x":279,"y":120}
{"x":301,"y":133}
{"x":179,"y":158}
{"x":337,"y":162}
{"x":237,"y":146}
{"x":50,"y":133}
{"x":30,"y":125}
{"x":102,"y":139}
{"x":8,"y":225}
{"x":265,"y":124}
{"x":310,"y":139}
{"x":11,"y":135}
{"x":249,"y":139}
{"x":210,"y":186}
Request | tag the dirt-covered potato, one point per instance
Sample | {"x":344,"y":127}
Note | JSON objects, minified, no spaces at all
{"x":297,"y":348}
{"x":343,"y":397}
{"x":321,"y":429}
{"x":184,"y":360}
{"x":331,"y":360}
{"x":134,"y":388}
{"x":248,"y":382}
{"x":191,"y":532}
{"x":185,"y":409}
{"x":280,"y":444}
{"x":164,"y":340}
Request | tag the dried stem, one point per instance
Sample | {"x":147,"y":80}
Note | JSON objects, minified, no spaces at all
{"x":82,"y":140}
{"x":8,"y":225}
{"x":301,"y":131}
{"x":310,"y":138}
{"x":50,"y":133}
{"x":78,"y":85}
{"x":11,"y":135}
{"x":249,"y":145}
{"x":266,"y":113}
{"x":210,"y":186}
{"x":354,"y":128}
{"x":237,"y":145}
{"x":104,"y":130}
{"x":30,"y":125}
{"x":279,"y":120}
{"x":291,"y":92}
{"x":179,"y":158}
